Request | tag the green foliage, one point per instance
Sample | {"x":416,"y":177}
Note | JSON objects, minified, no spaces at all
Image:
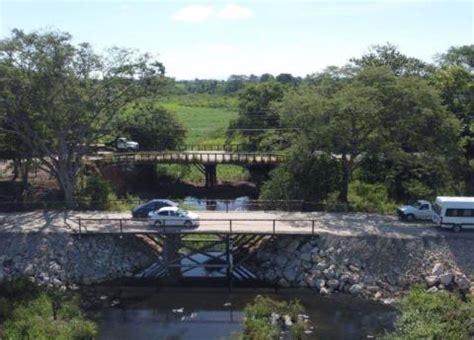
{"x":371,"y":198}
{"x":153,"y":127}
{"x":32,"y":312}
{"x":441,"y":315}
{"x":256,"y":112}
{"x":257,"y":318}
{"x":304,"y":176}
{"x":190,"y":174}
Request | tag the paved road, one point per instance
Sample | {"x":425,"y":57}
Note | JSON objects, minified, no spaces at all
{"x":344,"y":224}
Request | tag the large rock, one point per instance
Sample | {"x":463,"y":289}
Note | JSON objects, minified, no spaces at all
{"x":291,"y":248}
{"x":462,"y":282}
{"x":438,"y":269}
{"x":446,"y":278}
{"x":431,"y":280}
{"x":333,"y":283}
{"x":319,"y":283}
{"x":322,"y":265}
{"x":355,"y":289}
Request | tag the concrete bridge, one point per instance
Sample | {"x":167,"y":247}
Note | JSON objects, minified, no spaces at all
{"x":205,"y":161}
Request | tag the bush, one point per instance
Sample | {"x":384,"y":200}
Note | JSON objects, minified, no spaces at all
{"x":371,"y":198}
{"x":32,"y":312}
{"x":257,"y":318}
{"x":441,"y":315}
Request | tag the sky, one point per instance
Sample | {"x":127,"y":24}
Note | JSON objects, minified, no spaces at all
{"x":214,"y":39}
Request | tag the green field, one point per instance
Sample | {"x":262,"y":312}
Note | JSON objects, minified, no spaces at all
{"x":204,"y":124}
{"x":206,"y":119}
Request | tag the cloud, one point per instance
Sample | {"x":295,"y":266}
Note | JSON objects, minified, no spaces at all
{"x":235,"y":12}
{"x":193,"y":13}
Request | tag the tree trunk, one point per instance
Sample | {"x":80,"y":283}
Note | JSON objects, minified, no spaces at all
{"x":66,"y":179}
{"x":346,"y":177}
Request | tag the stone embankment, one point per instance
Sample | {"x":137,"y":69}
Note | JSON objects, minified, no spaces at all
{"x":376,"y":267}
{"x":61,"y":259}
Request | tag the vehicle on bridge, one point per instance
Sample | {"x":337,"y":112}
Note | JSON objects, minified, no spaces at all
{"x":143,"y":210}
{"x":123,"y":144}
{"x":455,"y":213}
{"x":420,"y":210}
{"x":174,"y":216}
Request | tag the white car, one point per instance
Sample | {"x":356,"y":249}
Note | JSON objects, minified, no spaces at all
{"x":174,"y":216}
{"x":420,"y":210}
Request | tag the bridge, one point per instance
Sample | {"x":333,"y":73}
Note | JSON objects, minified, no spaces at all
{"x":205,"y":160}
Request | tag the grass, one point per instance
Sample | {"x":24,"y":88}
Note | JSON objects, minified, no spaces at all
{"x":440,"y":315}
{"x":205,"y":125}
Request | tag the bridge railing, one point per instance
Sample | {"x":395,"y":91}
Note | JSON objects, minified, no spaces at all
{"x":192,"y":157}
{"x":125,"y":226}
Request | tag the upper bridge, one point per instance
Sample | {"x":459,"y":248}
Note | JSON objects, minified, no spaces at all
{"x":191,"y":157}
{"x":204,"y":157}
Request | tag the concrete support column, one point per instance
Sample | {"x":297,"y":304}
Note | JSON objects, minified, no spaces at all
{"x":171,"y":256}
{"x":211,"y":175}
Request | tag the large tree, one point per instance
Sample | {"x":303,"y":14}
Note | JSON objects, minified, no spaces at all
{"x":375,"y":114}
{"x":153,"y":127}
{"x":58,"y":97}
{"x":257,"y":115}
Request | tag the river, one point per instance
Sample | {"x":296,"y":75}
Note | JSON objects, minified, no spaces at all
{"x":215,"y":313}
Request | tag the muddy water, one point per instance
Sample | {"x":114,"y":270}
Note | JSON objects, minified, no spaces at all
{"x":205,"y":313}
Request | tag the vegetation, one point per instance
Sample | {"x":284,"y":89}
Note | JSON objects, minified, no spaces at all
{"x":30,"y":312}
{"x":58,"y":97}
{"x":385,"y":120}
{"x":440,"y":315}
{"x":258,"y":319}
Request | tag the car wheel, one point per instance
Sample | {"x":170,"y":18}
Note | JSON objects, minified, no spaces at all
{"x":410,"y":217}
{"x":157,"y":223}
{"x":457,"y":228}
{"x":188,"y":224}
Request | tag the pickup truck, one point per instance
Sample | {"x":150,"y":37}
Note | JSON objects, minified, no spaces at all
{"x":123,"y":144}
{"x":420,"y":210}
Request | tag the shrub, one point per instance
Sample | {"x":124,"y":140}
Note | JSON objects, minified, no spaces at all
{"x":32,"y":312}
{"x":257,"y":318}
{"x":441,"y":315}
{"x":368,"y":197}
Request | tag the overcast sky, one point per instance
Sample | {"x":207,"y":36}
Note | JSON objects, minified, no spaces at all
{"x":214,"y":39}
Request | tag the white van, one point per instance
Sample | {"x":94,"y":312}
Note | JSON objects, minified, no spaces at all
{"x":456,"y":213}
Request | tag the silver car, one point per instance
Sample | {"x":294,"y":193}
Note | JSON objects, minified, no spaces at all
{"x":174,"y":216}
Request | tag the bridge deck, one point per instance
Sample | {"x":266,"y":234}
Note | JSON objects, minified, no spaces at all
{"x":190,"y":157}
{"x":250,"y":222}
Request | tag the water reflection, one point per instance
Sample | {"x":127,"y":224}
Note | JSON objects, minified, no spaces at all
{"x":239,"y":204}
{"x":199,"y":313}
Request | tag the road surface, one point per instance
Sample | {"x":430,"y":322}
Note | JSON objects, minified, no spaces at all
{"x":343,"y":224}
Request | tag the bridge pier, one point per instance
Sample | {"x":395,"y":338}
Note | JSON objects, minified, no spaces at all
{"x":210,"y":174}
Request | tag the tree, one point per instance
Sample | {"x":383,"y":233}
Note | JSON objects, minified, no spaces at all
{"x":154,"y":128}
{"x":388,"y":55}
{"x":376,"y":114}
{"x":455,"y":81}
{"x":462,"y":56}
{"x":256,"y":112}
{"x":58,"y":98}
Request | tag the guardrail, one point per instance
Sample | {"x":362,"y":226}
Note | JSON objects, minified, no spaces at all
{"x":224,"y":226}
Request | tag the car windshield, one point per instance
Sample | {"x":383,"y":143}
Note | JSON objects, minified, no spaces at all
{"x":182,"y":212}
{"x":417,"y":204}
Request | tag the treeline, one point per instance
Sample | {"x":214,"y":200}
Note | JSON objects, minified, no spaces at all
{"x":383,"y":128}
{"x":231,"y":85}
